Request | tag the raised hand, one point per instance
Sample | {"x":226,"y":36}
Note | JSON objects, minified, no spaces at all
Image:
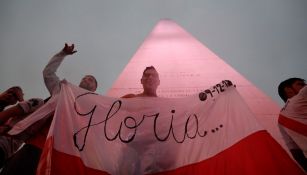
{"x":69,"y":50}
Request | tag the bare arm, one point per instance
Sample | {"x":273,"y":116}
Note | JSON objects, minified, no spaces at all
{"x":9,"y":113}
{"x":51,"y":80}
{"x":129,"y":96}
{"x":12,"y":115}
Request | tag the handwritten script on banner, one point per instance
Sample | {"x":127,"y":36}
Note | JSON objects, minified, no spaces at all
{"x":146,"y":135}
{"x":190,"y":130}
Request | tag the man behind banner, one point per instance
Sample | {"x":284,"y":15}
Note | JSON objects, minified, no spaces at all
{"x":150,"y":82}
{"x":26,"y":160}
{"x":293,"y":118}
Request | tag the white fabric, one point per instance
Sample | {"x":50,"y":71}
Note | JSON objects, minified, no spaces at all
{"x":45,"y":111}
{"x":31,"y":105}
{"x":101,"y":148}
{"x":296,"y":107}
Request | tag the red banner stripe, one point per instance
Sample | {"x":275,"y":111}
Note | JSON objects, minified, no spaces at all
{"x":53,"y":162}
{"x":67,"y":164}
{"x":256,"y":154}
{"x":293,"y":125}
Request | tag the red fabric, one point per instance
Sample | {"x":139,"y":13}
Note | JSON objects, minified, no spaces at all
{"x":254,"y":155}
{"x":44,"y":166}
{"x":62,"y":163}
{"x":293,"y":125}
{"x":39,"y":138}
{"x":72,"y":165}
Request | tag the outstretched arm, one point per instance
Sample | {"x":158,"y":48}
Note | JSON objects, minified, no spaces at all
{"x":51,"y":80}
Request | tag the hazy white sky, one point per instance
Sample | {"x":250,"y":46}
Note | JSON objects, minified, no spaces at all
{"x":264,"y":40}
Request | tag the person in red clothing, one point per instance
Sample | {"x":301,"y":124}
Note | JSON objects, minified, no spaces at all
{"x":25,"y":161}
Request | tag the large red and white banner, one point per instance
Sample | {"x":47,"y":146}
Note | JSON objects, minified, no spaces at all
{"x":213,"y":132}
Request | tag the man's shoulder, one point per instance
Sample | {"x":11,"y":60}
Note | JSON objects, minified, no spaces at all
{"x":303,"y":92}
{"x":129,"y":96}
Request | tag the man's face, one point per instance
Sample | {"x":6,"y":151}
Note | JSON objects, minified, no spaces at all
{"x":88,"y":82}
{"x":150,"y":79}
{"x":295,"y":88}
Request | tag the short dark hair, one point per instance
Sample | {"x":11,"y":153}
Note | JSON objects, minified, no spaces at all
{"x":149,"y":67}
{"x":14,"y":88}
{"x":287,"y":83}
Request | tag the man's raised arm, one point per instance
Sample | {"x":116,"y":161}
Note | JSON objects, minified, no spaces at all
{"x":51,"y":80}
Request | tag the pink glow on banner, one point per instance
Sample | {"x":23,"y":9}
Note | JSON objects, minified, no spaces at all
{"x":187,"y":67}
{"x":206,"y":136}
